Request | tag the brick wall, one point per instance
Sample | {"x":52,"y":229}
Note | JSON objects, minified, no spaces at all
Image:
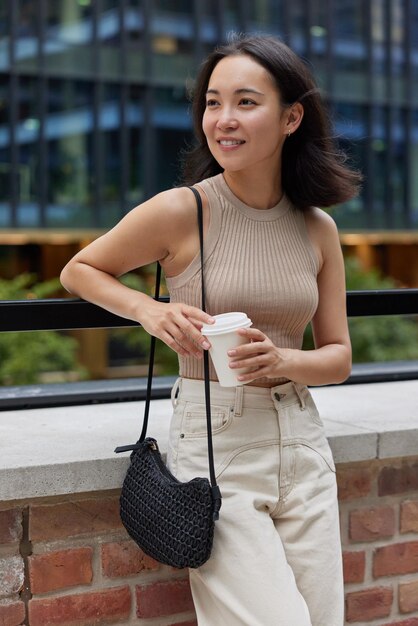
{"x":379,"y":523}
{"x":68,"y":561}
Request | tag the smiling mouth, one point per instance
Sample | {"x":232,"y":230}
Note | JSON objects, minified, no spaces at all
{"x":230,"y":142}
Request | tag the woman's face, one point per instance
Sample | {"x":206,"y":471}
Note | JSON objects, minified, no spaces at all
{"x":244,"y":123}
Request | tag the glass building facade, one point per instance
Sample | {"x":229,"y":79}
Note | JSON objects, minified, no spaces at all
{"x":94,"y":107}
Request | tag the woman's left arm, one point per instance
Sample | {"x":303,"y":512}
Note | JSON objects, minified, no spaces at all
{"x":330,"y":361}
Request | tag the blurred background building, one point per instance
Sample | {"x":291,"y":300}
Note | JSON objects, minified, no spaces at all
{"x":94,"y":112}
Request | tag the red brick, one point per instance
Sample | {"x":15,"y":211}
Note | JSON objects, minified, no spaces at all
{"x":408,"y":597}
{"x":409,"y":517}
{"x":354,"y":564}
{"x":392,"y":480}
{"x":413,"y":621}
{"x":60,"y":569}
{"x":103,"y":607}
{"x":368,"y":604}
{"x":11,"y":575}
{"x":10,"y":526}
{"x":69,"y":519}
{"x":371,"y":524}
{"x":12,"y":612}
{"x":353,"y":483}
{"x":163,"y":598}
{"x":398,"y":558}
{"x":124,"y":558}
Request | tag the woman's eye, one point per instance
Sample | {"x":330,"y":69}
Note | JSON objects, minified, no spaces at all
{"x":211,"y":103}
{"x":247,"y":102}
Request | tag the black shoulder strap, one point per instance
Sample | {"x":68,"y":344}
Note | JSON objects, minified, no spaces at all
{"x":215,"y":489}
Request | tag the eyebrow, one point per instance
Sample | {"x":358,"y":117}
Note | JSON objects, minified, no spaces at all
{"x":238,"y":91}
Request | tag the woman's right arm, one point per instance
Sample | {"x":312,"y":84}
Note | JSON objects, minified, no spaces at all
{"x":164,"y":229}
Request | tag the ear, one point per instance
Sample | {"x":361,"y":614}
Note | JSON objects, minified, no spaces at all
{"x":294,"y":118}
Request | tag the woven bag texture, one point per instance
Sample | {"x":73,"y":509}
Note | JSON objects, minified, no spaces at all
{"x":169,"y":520}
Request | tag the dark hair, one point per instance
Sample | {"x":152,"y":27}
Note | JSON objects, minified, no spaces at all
{"x":313,"y":170}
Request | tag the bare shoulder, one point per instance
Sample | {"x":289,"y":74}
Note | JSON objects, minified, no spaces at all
{"x":175,"y":205}
{"x":171,"y":222}
{"x":170,"y":215}
{"x":323,"y":233}
{"x":320,"y":221}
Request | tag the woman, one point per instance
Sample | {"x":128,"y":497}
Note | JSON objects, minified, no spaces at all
{"x":264,"y":160}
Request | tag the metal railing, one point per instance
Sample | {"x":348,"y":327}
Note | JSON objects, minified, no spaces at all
{"x":71,"y":314}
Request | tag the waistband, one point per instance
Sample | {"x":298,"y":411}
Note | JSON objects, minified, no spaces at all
{"x":285,"y":394}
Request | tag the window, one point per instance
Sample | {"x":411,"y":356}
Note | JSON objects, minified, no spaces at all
{"x":351,"y":129}
{"x":350,"y":50}
{"x":69,"y":31}
{"x":173,"y":132}
{"x":4,"y":38}
{"x":172,"y":41}
{"x":27,"y":135}
{"x":5,"y":156}
{"x":71,"y":173}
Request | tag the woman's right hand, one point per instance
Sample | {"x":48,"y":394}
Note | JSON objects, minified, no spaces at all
{"x":177,"y":325}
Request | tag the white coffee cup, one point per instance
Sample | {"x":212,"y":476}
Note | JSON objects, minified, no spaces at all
{"x":223,"y":336}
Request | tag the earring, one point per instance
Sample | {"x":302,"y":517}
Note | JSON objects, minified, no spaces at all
{"x":288,"y":134}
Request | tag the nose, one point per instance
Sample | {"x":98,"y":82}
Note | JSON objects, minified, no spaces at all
{"x":226,"y":120}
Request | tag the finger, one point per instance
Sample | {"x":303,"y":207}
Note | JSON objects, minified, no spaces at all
{"x":252,"y":333}
{"x":247,"y":349}
{"x":197,"y":323}
{"x":188,"y":329}
{"x":173,"y":344}
{"x":250,"y":376}
{"x":185,"y":341}
{"x":198,"y":314}
{"x":180,"y":343}
{"x":254,"y":362}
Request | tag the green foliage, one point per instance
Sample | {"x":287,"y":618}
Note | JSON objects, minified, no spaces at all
{"x":357,"y":278}
{"x":382,"y":338}
{"x":385,"y":338}
{"x":24,"y":287}
{"x":25,"y":356}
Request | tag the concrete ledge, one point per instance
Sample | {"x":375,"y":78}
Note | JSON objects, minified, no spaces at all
{"x":47,"y":452}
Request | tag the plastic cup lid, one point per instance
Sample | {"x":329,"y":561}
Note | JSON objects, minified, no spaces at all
{"x":225,"y":323}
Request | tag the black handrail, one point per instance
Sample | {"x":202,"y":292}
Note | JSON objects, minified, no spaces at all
{"x":73,"y":313}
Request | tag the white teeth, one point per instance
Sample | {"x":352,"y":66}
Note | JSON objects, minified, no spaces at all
{"x":230,"y":142}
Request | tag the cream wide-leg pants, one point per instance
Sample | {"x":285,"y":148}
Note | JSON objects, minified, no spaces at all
{"x":276,"y":558}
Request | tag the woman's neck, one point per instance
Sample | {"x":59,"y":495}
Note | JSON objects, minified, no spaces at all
{"x":258,"y":191}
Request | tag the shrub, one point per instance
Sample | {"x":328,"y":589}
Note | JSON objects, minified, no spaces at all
{"x":25,"y":356}
{"x":380,"y":338}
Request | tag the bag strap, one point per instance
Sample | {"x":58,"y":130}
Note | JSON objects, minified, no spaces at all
{"x":215,"y":488}
{"x":216,"y":493}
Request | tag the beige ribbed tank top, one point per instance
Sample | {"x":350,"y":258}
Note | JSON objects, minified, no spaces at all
{"x":257,"y":261}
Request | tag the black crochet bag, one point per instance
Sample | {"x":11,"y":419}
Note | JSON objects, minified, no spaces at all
{"x":171,"y":521}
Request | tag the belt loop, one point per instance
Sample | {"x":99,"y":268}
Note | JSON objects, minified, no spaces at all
{"x":175,"y":391}
{"x":239,"y":394}
{"x":298,"y":392}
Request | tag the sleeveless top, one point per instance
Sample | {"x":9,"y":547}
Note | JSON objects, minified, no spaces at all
{"x":260,"y":262}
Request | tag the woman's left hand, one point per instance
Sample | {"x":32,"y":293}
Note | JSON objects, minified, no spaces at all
{"x":260,"y":356}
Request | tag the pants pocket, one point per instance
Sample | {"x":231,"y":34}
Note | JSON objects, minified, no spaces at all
{"x":194,"y":423}
{"x":325,"y":453}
